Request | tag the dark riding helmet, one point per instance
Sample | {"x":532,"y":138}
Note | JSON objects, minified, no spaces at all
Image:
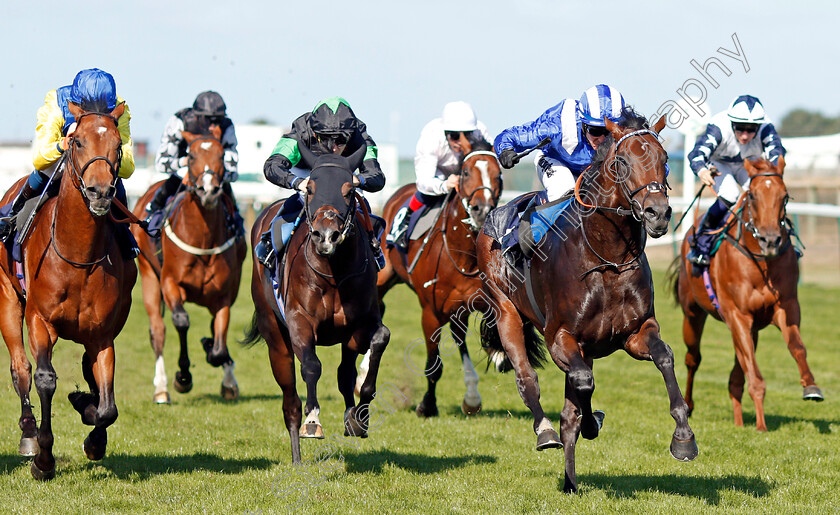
{"x":333,"y":116}
{"x":209,"y":103}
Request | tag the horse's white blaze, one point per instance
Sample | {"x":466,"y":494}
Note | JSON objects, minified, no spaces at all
{"x":485,"y":179}
{"x":205,"y":145}
{"x":472,"y":397}
{"x":160,"y":380}
{"x":312,"y":418}
{"x":102,"y":130}
{"x":207,"y":179}
{"x":229,"y":380}
{"x":767,"y":183}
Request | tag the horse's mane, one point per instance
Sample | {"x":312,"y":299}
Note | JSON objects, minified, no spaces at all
{"x":630,"y":119}
{"x":481,"y":144}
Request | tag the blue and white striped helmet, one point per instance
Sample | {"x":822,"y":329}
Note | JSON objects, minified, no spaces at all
{"x":746,"y":109}
{"x":600,"y":101}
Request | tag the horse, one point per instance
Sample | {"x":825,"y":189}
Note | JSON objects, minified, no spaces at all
{"x":199,"y":260}
{"x":325,"y":295}
{"x":72,"y":284}
{"x":754,"y":277}
{"x":589,"y":289}
{"x":445,"y":276}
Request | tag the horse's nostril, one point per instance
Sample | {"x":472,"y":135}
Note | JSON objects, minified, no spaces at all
{"x":317,"y":235}
{"x":334,"y":236}
{"x":668,"y":213}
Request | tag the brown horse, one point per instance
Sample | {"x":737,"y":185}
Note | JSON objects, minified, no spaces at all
{"x":591,"y":290}
{"x":754,"y":276}
{"x":199,"y":261}
{"x":76,"y":286}
{"x":325,"y":294}
{"x":445,"y":277}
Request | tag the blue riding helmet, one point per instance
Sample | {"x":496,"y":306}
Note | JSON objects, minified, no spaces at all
{"x":94,"y":89}
{"x":600,"y":101}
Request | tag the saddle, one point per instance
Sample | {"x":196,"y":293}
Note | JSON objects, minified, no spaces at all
{"x":421,"y":221}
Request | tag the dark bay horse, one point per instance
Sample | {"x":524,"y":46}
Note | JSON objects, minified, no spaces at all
{"x":327,"y":296}
{"x":445,"y":277}
{"x":593,"y":288}
{"x":76,"y":286}
{"x":199,"y":261}
{"x":754,"y":275}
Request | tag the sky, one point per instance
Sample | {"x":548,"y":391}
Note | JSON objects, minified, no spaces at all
{"x":397,"y":63}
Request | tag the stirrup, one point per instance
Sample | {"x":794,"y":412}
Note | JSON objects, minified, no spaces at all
{"x":698,"y":258}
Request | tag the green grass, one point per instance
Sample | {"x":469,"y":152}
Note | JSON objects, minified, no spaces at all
{"x":201,"y":454}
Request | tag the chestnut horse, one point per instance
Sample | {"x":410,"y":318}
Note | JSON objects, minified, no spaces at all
{"x":200,"y":261}
{"x":75,"y":286}
{"x":325,"y":294}
{"x":592,"y":290}
{"x":445,"y":277}
{"x":754,"y":275}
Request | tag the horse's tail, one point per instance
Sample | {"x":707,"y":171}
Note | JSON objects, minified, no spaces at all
{"x":252,"y":334}
{"x":491,"y":342}
{"x":672,"y":281}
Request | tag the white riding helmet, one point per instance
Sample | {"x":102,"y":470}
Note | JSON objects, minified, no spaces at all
{"x":459,"y":116}
{"x":746,"y":109}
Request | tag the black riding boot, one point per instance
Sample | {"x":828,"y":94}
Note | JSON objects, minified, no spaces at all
{"x":167,"y":189}
{"x":7,"y":223}
{"x":235,"y":222}
{"x":701,"y":244}
{"x":264,"y":251}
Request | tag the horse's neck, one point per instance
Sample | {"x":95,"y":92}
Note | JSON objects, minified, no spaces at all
{"x":76,"y":229}
{"x":607,"y":230}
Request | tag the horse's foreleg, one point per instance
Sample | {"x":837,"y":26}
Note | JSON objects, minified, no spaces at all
{"x":310,"y":370}
{"x":41,"y":342}
{"x":693,"y":324}
{"x":356,"y":418}
{"x":569,"y":430}
{"x":11,"y":327}
{"x":786,"y":318}
{"x":432,"y":331}
{"x":157,"y":329}
{"x":102,"y":412}
{"x":648,"y":345}
{"x":744,"y":337}
{"x":472,"y":399}
{"x":347,"y":376}
{"x":580,"y":382}
{"x":181,"y":320}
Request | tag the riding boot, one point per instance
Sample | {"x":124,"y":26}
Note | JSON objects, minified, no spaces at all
{"x":167,"y":189}
{"x":264,"y":251}
{"x":398,"y":237}
{"x":701,"y":244}
{"x":7,"y":223}
{"x":377,"y":250}
{"x":235,"y":222}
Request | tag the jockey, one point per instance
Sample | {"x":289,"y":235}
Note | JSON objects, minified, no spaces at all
{"x":741,"y":132}
{"x":576,"y":129}
{"x":437,"y":161}
{"x":209,"y":109}
{"x":331,"y":128}
{"x":93,"y":90}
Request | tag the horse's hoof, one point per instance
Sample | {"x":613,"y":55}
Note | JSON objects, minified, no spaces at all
{"x":684,"y":450}
{"x":183,"y":382}
{"x":95,"y":451}
{"x":230,"y":393}
{"x":470,"y":410}
{"x":353,"y":426}
{"x":28,"y":446}
{"x":162,"y":398}
{"x":812,"y":393}
{"x":548,"y":439}
{"x":423,"y":411}
{"x":311,"y":430}
{"x":598,"y":415}
{"x":41,"y":475}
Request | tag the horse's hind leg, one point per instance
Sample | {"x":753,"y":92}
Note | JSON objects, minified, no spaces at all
{"x":648,"y":345}
{"x":356,"y":418}
{"x":283,"y":367}
{"x":786,"y":318}
{"x":152,"y":301}
{"x":11,"y":320}
{"x":217,"y":354}
{"x":471,"y":404}
{"x":693,"y":324}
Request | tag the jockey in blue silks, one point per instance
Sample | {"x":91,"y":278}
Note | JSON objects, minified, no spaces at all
{"x":741,"y":132}
{"x":576,"y":129}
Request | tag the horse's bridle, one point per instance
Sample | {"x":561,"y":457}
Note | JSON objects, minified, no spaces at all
{"x":193,"y":184}
{"x":348,"y":215}
{"x":466,"y":199}
{"x":749,"y":224}
{"x":74,"y":164}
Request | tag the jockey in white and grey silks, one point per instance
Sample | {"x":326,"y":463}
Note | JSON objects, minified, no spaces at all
{"x":741,"y":132}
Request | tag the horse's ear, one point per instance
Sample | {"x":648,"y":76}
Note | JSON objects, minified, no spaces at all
{"x":75,"y":109}
{"x":189,"y":137}
{"x":659,"y":125}
{"x":748,"y":164}
{"x":118,"y":111}
{"x":780,"y":165}
{"x":356,"y":158}
{"x":614,"y":128}
{"x":307,"y":157}
{"x":216,"y":132}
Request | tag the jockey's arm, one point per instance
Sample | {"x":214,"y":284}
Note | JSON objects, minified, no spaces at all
{"x":231,"y":155}
{"x":167,"y":159}
{"x":700,"y":158}
{"x":48,"y":133}
{"x":772,"y":143}
{"x":127,"y":163}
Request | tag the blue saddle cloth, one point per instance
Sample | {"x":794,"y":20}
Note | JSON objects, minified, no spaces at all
{"x":527,"y":217}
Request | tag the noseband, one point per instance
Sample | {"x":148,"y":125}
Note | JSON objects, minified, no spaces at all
{"x":79,"y":172}
{"x":636,"y":207}
{"x":749,"y":224}
{"x":348,"y":215}
{"x":466,"y":199}
{"x":193,"y":184}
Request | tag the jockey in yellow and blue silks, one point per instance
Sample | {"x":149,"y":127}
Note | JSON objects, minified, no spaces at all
{"x":93,"y":90}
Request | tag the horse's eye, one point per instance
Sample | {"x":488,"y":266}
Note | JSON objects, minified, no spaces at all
{"x":78,"y":143}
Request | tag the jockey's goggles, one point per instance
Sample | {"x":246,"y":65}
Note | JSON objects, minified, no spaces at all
{"x":745,"y":127}
{"x":453,"y":135}
{"x":336,"y":139}
{"x":596,"y":132}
